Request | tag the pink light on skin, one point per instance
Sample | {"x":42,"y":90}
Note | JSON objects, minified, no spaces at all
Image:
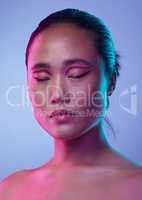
{"x":44,"y":70}
{"x":67,"y":65}
{"x":82,"y":165}
{"x":55,"y":47}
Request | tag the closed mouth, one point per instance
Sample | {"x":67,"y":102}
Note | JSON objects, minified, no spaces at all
{"x":60,"y":113}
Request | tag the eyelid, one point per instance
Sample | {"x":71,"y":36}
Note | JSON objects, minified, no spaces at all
{"x":46,"y":79}
{"x":80,"y":75}
{"x":41,"y":73}
{"x":41,"y":79}
{"x":78,"y":67}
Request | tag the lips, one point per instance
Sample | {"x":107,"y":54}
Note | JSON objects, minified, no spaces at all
{"x":61,"y":112}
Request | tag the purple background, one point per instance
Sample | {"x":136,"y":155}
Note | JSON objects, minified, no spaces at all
{"x":23,"y":143}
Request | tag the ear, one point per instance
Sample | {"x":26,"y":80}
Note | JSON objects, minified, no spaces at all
{"x":112,"y":84}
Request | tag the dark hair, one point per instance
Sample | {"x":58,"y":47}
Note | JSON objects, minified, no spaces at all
{"x":103,"y":39}
{"x":102,"y":36}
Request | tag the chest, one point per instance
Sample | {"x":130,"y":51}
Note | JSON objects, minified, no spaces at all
{"x":100,"y":189}
{"x":81,"y":188}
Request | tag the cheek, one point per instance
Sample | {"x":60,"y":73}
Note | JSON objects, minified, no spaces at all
{"x":83,"y":95}
{"x":95,"y":97}
{"x":91,"y":91}
{"x":37,"y":96}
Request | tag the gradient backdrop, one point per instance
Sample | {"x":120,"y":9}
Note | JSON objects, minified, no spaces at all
{"x":23,"y":144}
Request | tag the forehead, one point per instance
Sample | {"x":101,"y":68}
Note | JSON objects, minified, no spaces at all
{"x":66,"y":30}
{"x":61,"y":42}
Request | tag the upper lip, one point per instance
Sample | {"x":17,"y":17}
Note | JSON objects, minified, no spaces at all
{"x":57,"y":112}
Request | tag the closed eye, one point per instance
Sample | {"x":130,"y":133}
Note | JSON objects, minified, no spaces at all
{"x":79,"y":76}
{"x":46,"y":78}
{"x":42,"y":79}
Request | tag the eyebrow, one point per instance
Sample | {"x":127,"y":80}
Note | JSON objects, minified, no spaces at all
{"x":65,"y":63}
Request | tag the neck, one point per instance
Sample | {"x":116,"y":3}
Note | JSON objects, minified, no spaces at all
{"x":88,"y":149}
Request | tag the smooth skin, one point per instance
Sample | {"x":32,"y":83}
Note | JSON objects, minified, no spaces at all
{"x":83,"y":166}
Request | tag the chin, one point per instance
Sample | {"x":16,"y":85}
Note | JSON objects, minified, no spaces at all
{"x":65,"y":137}
{"x":64,"y":132}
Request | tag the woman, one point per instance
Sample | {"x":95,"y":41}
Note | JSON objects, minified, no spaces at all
{"x":72,"y":69}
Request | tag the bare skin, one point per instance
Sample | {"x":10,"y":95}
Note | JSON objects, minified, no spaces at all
{"x":76,"y":182}
{"x":83,"y":166}
{"x":111,"y":177}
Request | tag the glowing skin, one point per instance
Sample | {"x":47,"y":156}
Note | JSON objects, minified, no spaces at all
{"x":56,"y":51}
{"x":83,"y":167}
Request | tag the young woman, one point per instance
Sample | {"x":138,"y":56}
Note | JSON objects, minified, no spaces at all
{"x":72,"y":69}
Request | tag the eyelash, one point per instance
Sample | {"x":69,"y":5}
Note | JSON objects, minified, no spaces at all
{"x":46,"y":79}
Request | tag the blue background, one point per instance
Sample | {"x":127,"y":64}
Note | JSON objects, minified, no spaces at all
{"x":23,"y":143}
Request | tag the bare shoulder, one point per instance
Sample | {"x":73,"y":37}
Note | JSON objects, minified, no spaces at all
{"x":13,"y":181}
{"x":22,"y":183}
{"x":137,"y":178}
{"x":130,"y":181}
{"x":134,"y":174}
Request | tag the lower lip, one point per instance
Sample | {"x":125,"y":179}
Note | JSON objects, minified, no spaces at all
{"x":62,"y":118}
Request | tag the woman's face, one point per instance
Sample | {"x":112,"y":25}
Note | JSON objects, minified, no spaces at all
{"x":66,"y":72}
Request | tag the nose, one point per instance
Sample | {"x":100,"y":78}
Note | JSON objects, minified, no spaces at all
{"x":58,"y":93}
